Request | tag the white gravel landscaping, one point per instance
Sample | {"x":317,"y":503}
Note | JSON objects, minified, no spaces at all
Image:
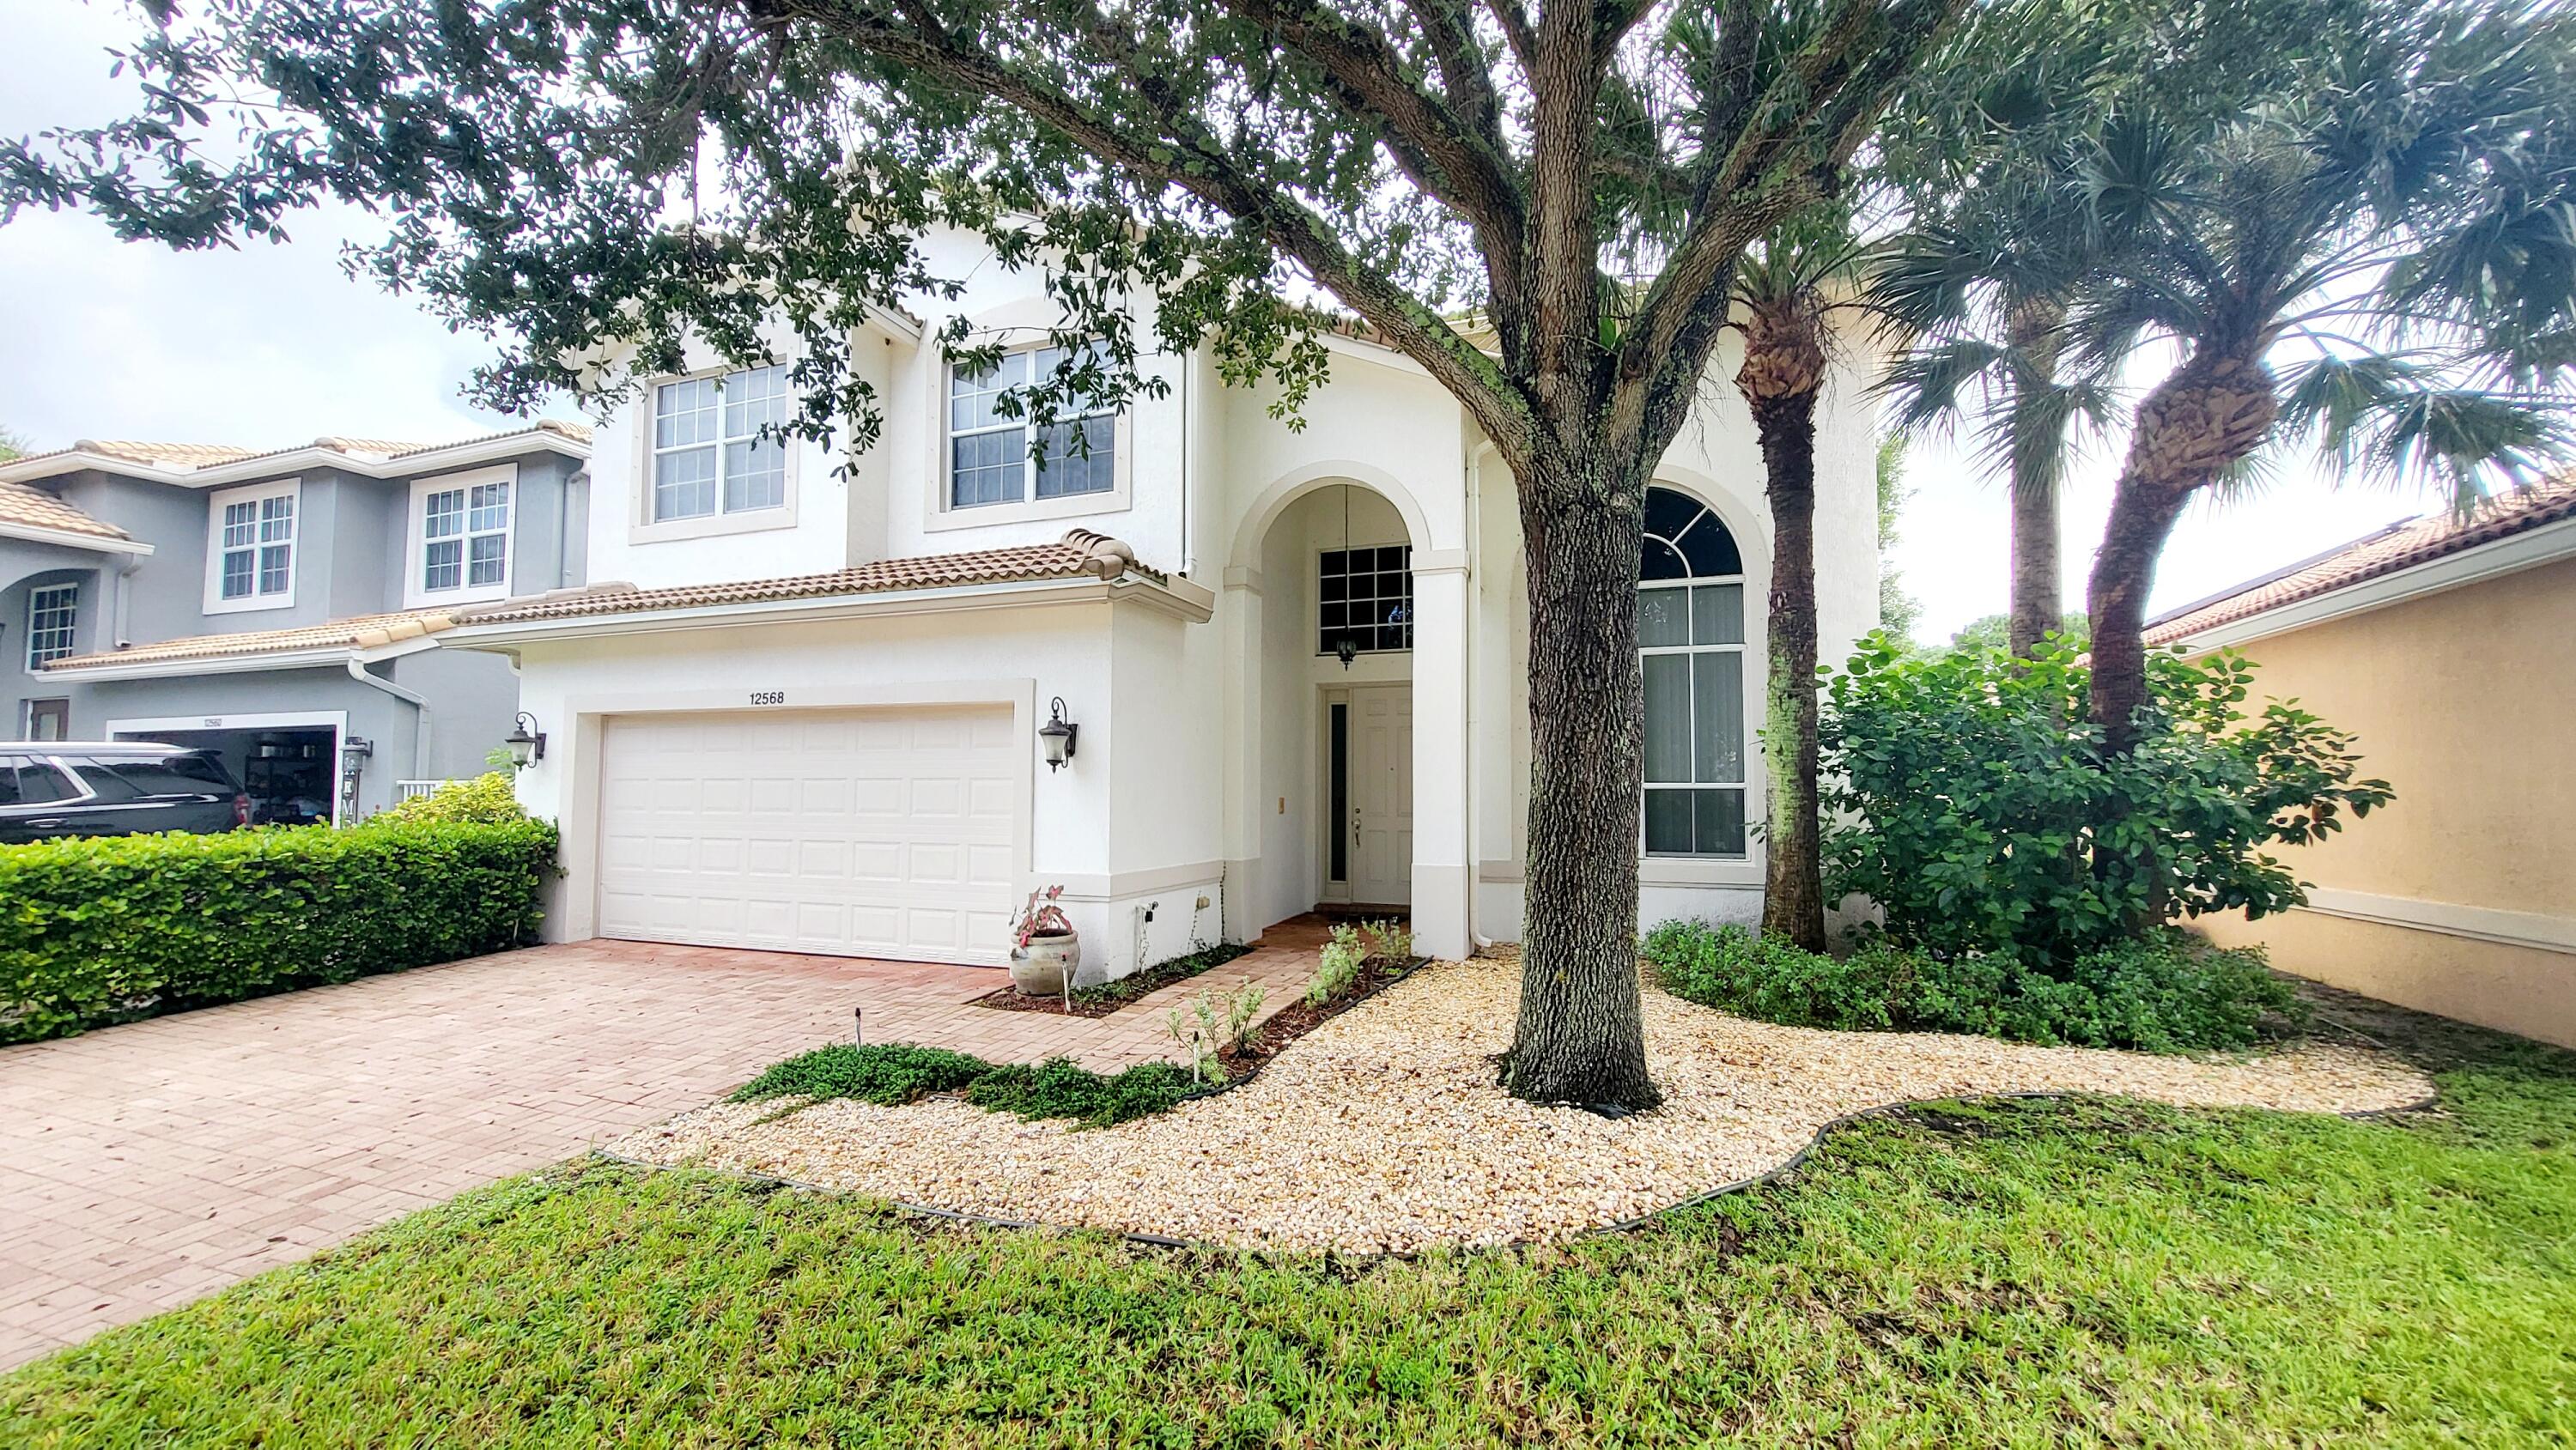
{"x":1384,"y":1128}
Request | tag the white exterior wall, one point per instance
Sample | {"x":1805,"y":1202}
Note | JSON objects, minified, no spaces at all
{"x":1199,"y":771}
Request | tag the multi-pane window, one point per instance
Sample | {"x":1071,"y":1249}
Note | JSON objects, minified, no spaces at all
{"x":53,"y":618}
{"x":255,"y":544}
{"x":709,"y":453}
{"x":990,"y":459}
{"x":465,"y":537}
{"x":1365,"y":595}
{"x":1690,"y":639}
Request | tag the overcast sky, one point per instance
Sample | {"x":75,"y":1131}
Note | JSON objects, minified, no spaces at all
{"x":274,"y":345}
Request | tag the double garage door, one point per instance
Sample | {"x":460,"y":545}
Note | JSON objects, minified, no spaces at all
{"x":875,"y":833}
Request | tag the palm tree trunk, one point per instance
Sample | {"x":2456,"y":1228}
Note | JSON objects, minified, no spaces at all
{"x":2204,"y":419}
{"x":1581,"y":1032}
{"x":2036,"y":606}
{"x":1793,"y":888}
{"x":2038,"y":438}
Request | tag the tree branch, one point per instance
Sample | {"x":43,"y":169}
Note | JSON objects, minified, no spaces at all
{"x":1193,"y":162}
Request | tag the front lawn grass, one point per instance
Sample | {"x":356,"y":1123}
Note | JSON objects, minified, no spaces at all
{"x":1972,"y":1273}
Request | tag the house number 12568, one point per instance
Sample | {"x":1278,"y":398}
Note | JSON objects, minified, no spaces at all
{"x":769,"y":697}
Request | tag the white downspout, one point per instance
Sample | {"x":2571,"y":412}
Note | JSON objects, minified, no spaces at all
{"x":420,"y":741}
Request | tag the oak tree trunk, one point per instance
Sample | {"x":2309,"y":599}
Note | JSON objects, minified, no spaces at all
{"x":1581,"y":1034}
{"x":1793,"y":888}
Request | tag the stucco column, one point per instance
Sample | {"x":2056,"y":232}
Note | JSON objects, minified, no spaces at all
{"x":1239,"y":616}
{"x":1444,"y":871}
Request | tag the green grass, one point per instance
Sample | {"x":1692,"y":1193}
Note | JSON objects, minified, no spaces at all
{"x":1997,"y":1272}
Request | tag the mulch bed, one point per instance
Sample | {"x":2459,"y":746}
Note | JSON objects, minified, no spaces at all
{"x":1109,"y":997}
{"x":1301,"y":1017}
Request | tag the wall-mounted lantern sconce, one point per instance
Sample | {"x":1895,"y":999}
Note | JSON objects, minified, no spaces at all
{"x":1056,"y":736}
{"x":1347,"y":648}
{"x":527,"y":743}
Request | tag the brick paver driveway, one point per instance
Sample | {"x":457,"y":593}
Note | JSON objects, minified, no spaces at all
{"x":144,"y":1165}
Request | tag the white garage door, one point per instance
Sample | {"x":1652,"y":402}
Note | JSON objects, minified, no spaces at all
{"x":877,"y":833}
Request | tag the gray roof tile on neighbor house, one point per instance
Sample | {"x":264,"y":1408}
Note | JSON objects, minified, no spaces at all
{"x":360,"y":631}
{"x":34,"y":508}
{"x":2397,"y":547}
{"x":1078,"y":553}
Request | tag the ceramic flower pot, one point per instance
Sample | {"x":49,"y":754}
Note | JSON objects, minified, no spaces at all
{"x":1042,"y":968}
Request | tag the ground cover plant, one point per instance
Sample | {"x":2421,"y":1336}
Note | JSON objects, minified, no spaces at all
{"x":2168,"y":992}
{"x":1964,"y":1273}
{"x":894,"y":1073}
{"x":108,"y":929}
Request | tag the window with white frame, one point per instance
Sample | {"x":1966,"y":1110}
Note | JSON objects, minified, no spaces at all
{"x":464,"y":533}
{"x":53,"y":619}
{"x":1366,"y":597}
{"x":1690,"y":642}
{"x":251,"y":556}
{"x":709,"y":456}
{"x":990,"y":458}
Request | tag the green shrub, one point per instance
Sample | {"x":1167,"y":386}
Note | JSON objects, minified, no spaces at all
{"x":894,"y":1073}
{"x":105,"y":929}
{"x":891,"y":1073}
{"x":1968,"y":795}
{"x":490,"y":799}
{"x":2168,"y":993}
{"x":1062,"y":1088}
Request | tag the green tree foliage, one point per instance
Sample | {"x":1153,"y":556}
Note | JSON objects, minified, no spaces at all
{"x":1898,"y":611}
{"x":102,"y":930}
{"x":1976,"y":802}
{"x":596,"y":183}
{"x":1994,"y":631}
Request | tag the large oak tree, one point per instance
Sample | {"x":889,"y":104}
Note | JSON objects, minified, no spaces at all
{"x":1540,"y":206}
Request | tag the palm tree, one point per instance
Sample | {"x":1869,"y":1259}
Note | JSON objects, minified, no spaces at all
{"x":2382,"y":264}
{"x":1786,"y":287}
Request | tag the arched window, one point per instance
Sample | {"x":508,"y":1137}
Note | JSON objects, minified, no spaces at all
{"x":1690,"y":637}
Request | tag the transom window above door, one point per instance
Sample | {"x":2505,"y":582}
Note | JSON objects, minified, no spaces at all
{"x":461,"y":536}
{"x":990,"y":456}
{"x":1690,"y":643}
{"x":250,"y":554}
{"x":1365,"y":596}
{"x":709,"y":455}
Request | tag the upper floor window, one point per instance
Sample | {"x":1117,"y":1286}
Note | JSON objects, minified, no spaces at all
{"x":708,"y":453}
{"x":53,"y":619}
{"x":1366,"y":597}
{"x":990,"y":459}
{"x":1690,"y":640}
{"x":250,"y":558}
{"x":460,"y":536}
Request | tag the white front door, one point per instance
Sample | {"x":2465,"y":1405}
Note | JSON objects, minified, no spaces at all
{"x":871,"y":833}
{"x":1378,"y":790}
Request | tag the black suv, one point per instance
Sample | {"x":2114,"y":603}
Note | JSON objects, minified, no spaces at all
{"x":121,"y":788}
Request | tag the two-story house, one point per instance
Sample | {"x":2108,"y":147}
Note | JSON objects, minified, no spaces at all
{"x":823,"y":707}
{"x":282,"y":607}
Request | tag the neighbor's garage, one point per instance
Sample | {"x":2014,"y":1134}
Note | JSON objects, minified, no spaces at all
{"x":877,"y":833}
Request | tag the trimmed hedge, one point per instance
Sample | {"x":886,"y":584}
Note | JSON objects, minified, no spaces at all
{"x":895,"y":1073}
{"x":2168,"y":993}
{"x":103,"y":930}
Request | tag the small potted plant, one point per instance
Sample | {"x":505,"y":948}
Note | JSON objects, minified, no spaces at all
{"x":1045,"y":948}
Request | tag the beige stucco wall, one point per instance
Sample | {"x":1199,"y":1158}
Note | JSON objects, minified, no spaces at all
{"x":2465,"y":702}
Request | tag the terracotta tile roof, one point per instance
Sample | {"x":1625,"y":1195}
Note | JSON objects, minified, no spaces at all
{"x":38,"y":509}
{"x":363,"y":631}
{"x":187,"y":457}
{"x":2399,"y":546}
{"x":1077,"y":553}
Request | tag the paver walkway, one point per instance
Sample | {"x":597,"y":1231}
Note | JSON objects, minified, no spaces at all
{"x":144,"y":1165}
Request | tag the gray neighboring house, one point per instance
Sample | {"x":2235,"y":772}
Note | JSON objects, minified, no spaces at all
{"x":283,"y":607}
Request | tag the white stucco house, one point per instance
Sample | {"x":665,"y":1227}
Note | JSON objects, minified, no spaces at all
{"x":806,"y":714}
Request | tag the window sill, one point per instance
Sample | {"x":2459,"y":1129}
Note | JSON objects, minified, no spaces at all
{"x":746,"y":521}
{"x":252,"y":605}
{"x":432,"y":599}
{"x":1069,"y":506}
